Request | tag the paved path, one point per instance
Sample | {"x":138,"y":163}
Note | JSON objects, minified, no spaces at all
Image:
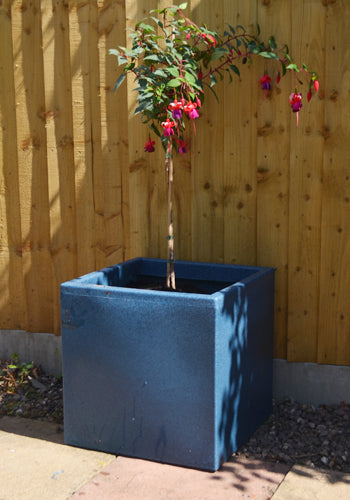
{"x":36,"y":465}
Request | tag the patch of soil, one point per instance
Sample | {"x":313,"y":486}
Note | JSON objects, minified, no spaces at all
{"x":27,"y":391}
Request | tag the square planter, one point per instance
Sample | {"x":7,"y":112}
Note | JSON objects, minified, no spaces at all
{"x":181,"y":378}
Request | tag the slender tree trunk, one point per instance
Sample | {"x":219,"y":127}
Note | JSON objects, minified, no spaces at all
{"x":170,"y":274}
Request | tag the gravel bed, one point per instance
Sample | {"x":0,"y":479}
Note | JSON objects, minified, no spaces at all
{"x":304,"y":434}
{"x":294,"y":434}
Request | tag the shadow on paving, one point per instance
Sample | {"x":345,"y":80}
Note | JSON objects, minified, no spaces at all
{"x":37,"y":429}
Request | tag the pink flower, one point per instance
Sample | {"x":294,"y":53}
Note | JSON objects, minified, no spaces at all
{"x":149,"y":146}
{"x":190,"y":110}
{"x":176,"y":108}
{"x":316,"y":85}
{"x":296,"y":104}
{"x":265,"y":82}
{"x":295,"y":101}
{"x":168,"y":127}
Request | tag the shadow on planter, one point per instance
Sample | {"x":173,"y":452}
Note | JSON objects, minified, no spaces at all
{"x":182,"y":378}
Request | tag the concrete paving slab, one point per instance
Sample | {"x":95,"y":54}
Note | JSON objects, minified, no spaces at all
{"x":305,"y":483}
{"x":35,"y":465}
{"x":133,"y":479}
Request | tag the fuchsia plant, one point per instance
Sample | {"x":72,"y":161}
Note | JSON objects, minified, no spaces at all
{"x":173,"y":61}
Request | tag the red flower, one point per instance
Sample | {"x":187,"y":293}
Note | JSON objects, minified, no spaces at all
{"x":182,"y":146}
{"x":278,"y":79}
{"x":316,"y":85}
{"x":309,"y":95}
{"x":149,"y":146}
{"x":295,"y":101}
{"x":209,"y":39}
{"x":296,"y":104}
{"x":168,"y":127}
{"x":265,"y":82}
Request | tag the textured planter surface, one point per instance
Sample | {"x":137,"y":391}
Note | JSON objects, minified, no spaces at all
{"x":173,"y":377}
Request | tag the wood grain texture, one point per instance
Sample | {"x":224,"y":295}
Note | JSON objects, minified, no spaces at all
{"x":32,"y":165}
{"x":78,"y":192}
{"x":334,"y":320}
{"x":305,"y":192}
{"x":273,"y":153}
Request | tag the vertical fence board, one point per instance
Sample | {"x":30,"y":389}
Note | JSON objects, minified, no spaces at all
{"x":207,"y":209}
{"x":12,"y":301}
{"x":305,"y":191}
{"x":97,"y":165}
{"x":142,"y":192}
{"x":60,"y":159}
{"x":32,"y":162}
{"x":334,"y":321}
{"x":239,"y":189}
{"x":79,"y":33}
{"x":273,"y":170}
{"x":114,"y":137}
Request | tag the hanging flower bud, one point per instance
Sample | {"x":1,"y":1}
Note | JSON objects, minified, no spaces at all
{"x":309,"y":95}
{"x":149,"y":146}
{"x":278,"y":78}
{"x":316,"y":85}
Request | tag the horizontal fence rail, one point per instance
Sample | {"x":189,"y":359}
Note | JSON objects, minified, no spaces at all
{"x":78,"y":192}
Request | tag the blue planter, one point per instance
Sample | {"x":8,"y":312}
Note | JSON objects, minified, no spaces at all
{"x":182,"y":378}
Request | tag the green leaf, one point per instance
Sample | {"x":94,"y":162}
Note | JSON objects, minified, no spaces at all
{"x":190,"y":78}
{"x":232,"y":29}
{"x":152,"y":57}
{"x":219,"y":52}
{"x":235,"y":69}
{"x":293,"y":67}
{"x":160,"y":72}
{"x":122,"y":60}
{"x":268,"y":55}
{"x":213,"y":80}
{"x":155,"y":130}
{"x":174,"y":83}
{"x":173,"y":71}
{"x":119,"y":81}
{"x":183,"y":6}
{"x":272,"y":43}
{"x":216,"y":97}
{"x":114,"y":52}
{"x":145,"y":27}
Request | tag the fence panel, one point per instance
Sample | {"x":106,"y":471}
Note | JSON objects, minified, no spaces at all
{"x":78,"y":192}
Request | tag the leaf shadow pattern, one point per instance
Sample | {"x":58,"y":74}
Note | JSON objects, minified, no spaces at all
{"x":246,"y":388}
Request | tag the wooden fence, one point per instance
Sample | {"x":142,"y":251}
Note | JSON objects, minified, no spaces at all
{"x":77,"y":191}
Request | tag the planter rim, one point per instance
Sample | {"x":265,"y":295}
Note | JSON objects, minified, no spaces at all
{"x":84,"y":282}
